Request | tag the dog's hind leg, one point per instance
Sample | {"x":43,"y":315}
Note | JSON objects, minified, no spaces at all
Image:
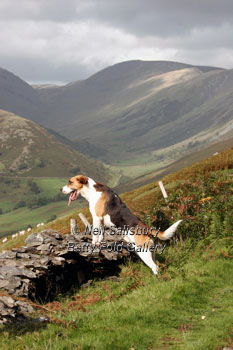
{"x":148,"y":260}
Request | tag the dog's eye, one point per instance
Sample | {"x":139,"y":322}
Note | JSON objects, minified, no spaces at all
{"x":70,"y":182}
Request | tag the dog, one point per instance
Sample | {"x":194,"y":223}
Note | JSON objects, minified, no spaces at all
{"x":107,"y":209}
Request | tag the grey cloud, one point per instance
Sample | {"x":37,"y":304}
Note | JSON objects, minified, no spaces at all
{"x":141,"y":16}
{"x":57,"y":40}
{"x":39,"y":10}
{"x":163,"y":17}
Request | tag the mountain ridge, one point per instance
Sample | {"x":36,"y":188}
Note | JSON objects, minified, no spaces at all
{"x":139,"y":111}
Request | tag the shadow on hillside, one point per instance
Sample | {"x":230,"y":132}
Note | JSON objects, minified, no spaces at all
{"x":27,"y":325}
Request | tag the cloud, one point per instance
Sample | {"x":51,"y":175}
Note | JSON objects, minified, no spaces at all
{"x":62,"y":41}
{"x":163,"y":17}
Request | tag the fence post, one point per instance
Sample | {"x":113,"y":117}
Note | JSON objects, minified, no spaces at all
{"x":85,"y":221}
{"x":72,"y":226}
{"x":165,"y":196}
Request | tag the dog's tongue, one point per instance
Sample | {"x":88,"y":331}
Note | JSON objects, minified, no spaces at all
{"x":72,"y":197}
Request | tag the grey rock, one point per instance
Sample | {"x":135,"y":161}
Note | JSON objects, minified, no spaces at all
{"x":8,"y":301}
{"x":23,"y":255}
{"x":45,"y":267}
{"x":44,"y":247}
{"x":24,"y":307}
{"x":58,"y":261}
{"x":11,"y":309}
{"x":16,"y":271}
{"x":34,"y":239}
{"x":8,"y":255}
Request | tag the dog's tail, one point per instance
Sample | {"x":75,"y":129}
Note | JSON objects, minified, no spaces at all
{"x":169,"y":233}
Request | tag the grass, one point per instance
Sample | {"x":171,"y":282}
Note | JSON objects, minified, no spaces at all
{"x":144,"y":199}
{"x":189,"y":304}
{"x":140,"y":169}
{"x":14,"y":220}
{"x":50,"y":186}
{"x":17,"y":189}
{"x":21,"y":218}
{"x":141,"y":311}
{"x":151,"y":171}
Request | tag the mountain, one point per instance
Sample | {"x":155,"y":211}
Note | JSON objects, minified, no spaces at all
{"x":27,"y":149}
{"x":138,"y":116}
{"x":18,"y":97}
{"x":109,"y":91}
{"x":142,"y":111}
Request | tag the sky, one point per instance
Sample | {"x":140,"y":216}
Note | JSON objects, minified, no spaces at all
{"x":59,"y":41}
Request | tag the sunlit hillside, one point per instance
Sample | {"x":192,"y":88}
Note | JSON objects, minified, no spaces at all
{"x":179,"y":308}
{"x":190,"y":191}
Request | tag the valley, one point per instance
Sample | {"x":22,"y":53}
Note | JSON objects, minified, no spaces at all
{"x":125,"y":126}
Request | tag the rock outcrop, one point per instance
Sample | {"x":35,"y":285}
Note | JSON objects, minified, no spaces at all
{"x":51,"y":264}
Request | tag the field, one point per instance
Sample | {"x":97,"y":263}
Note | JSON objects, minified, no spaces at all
{"x":150,"y":171}
{"x":13,"y":220}
{"x":188,"y":306}
{"x":21,"y":218}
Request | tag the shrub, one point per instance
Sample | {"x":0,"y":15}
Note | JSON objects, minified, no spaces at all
{"x":74,"y":171}
{"x":33,"y":187}
{"x":59,"y":197}
{"x":22,"y":166}
{"x":32,"y":203}
{"x":39,"y":163}
{"x":20,"y":204}
{"x":52,"y":218}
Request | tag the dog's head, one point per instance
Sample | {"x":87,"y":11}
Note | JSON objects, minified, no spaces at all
{"x":74,"y":186}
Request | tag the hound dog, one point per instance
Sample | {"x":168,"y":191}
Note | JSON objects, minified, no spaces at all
{"x":107,"y":209}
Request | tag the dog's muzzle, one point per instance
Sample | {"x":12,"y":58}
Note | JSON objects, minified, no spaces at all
{"x":73,"y":194}
{"x":66,"y":190}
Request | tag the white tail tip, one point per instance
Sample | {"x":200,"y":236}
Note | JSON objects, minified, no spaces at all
{"x":169,"y":233}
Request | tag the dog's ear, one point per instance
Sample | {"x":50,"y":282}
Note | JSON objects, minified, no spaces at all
{"x":82,"y":179}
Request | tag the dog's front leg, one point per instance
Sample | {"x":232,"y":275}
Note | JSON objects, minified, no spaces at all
{"x":97,"y":234}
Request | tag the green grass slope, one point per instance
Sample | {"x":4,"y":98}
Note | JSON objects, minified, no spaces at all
{"x":144,"y":175}
{"x":29,"y":201}
{"x":34,"y":165}
{"x":188,"y":306}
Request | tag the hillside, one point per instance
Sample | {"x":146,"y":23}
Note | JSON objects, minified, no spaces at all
{"x":137,"y":116}
{"x":34,"y":165}
{"x":197,"y":178}
{"x":136,"y":310}
{"x":28,"y":149}
{"x":124,"y":114}
{"x":183,"y":162}
{"x":87,"y":97}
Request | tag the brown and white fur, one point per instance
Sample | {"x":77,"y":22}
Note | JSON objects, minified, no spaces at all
{"x":107,"y":209}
